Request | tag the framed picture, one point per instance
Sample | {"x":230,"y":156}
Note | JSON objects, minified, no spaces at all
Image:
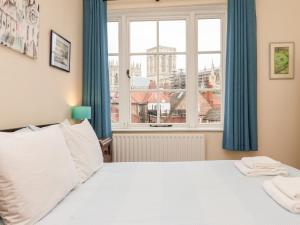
{"x":60,"y":52}
{"x":282,"y":60}
{"x":19,"y":26}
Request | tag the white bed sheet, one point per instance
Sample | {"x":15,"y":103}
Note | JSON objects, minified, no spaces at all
{"x":181,"y":193}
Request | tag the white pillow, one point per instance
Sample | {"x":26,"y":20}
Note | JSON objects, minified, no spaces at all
{"x":23,"y":130}
{"x":85,"y":148}
{"x":36,"y":172}
{"x":35,"y":128}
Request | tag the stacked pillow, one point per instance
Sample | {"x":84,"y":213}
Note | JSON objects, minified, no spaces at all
{"x":34,"y":167}
{"x":33,"y":171}
{"x":85,"y":148}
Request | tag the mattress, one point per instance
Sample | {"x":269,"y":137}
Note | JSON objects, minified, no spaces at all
{"x":179,"y":193}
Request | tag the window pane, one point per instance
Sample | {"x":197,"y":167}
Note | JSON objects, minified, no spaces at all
{"x":143,"y":36}
{"x":113,"y":37}
{"x":172,"y":107}
{"x":143,"y":72}
{"x":143,"y":107}
{"x":209,"y":106}
{"x":209,"y":71}
{"x":113,"y":63}
{"x":172,"y":71}
{"x":114,"y":106}
{"x":172,"y":36}
{"x":209,"y":35}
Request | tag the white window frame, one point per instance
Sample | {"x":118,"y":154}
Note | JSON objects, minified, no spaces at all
{"x":191,"y":15}
{"x":157,"y":90}
{"x":117,"y":20}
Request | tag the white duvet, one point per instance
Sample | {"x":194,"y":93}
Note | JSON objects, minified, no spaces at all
{"x":187,"y":193}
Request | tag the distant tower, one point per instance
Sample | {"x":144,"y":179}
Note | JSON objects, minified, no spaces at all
{"x":166,"y":65}
{"x":212,"y":76}
{"x":136,"y":69}
{"x":114,"y":73}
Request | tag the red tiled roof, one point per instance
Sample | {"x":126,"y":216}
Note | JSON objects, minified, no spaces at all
{"x":208,"y":102}
{"x":203,"y":104}
{"x":148,"y":97}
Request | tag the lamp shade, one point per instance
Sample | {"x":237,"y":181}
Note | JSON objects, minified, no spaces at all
{"x":81,"y":112}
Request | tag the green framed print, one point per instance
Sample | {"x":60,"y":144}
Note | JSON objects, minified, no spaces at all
{"x":282,"y":60}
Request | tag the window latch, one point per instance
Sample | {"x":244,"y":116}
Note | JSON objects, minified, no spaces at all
{"x":161,"y":125}
{"x":128,"y":74}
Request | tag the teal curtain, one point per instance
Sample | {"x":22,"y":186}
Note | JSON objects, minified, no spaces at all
{"x":95,"y":65}
{"x":240,"y":122}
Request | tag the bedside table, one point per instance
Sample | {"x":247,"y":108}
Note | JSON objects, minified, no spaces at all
{"x":105,"y":144}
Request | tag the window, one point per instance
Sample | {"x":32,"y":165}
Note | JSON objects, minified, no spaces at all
{"x":114,"y":69}
{"x":158,"y":71}
{"x":209,"y":65}
{"x":167,"y":69}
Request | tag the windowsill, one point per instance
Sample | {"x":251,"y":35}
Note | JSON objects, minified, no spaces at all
{"x":167,"y":129}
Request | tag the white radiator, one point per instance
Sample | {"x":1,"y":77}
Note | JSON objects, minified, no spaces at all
{"x":158,"y":147}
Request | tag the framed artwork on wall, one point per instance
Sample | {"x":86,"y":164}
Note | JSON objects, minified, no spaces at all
{"x":60,"y":52}
{"x":282,"y":60}
{"x":19,"y":26}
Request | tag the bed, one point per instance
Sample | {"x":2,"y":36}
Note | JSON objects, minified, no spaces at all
{"x":181,"y":193}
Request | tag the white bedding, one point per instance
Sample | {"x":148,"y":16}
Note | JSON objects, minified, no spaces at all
{"x":187,"y":193}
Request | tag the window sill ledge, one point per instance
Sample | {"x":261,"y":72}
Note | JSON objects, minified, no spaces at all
{"x":167,"y":129}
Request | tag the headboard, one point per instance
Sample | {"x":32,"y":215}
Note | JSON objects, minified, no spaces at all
{"x":15,"y":129}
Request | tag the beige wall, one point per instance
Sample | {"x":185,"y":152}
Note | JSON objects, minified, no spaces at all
{"x":30,"y":90}
{"x":33,"y":92}
{"x":278,"y":101}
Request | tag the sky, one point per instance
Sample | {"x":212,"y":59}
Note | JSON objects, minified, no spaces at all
{"x":143,"y":36}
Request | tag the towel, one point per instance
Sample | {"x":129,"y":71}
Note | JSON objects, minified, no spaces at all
{"x":283,"y":200}
{"x":289,"y":186}
{"x":260,"y":172}
{"x":261,"y":162}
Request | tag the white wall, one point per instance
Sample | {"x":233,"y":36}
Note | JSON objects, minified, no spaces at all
{"x":30,"y":90}
{"x":278,"y":100}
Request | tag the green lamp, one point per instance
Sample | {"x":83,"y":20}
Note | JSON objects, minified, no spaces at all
{"x":81,"y":112}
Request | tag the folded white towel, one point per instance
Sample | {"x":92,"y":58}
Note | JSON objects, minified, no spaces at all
{"x":260,"y":172}
{"x":289,"y":186}
{"x":281,"y":198}
{"x":261,"y":162}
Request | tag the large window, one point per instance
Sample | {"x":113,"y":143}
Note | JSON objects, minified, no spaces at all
{"x":166,"y":69}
